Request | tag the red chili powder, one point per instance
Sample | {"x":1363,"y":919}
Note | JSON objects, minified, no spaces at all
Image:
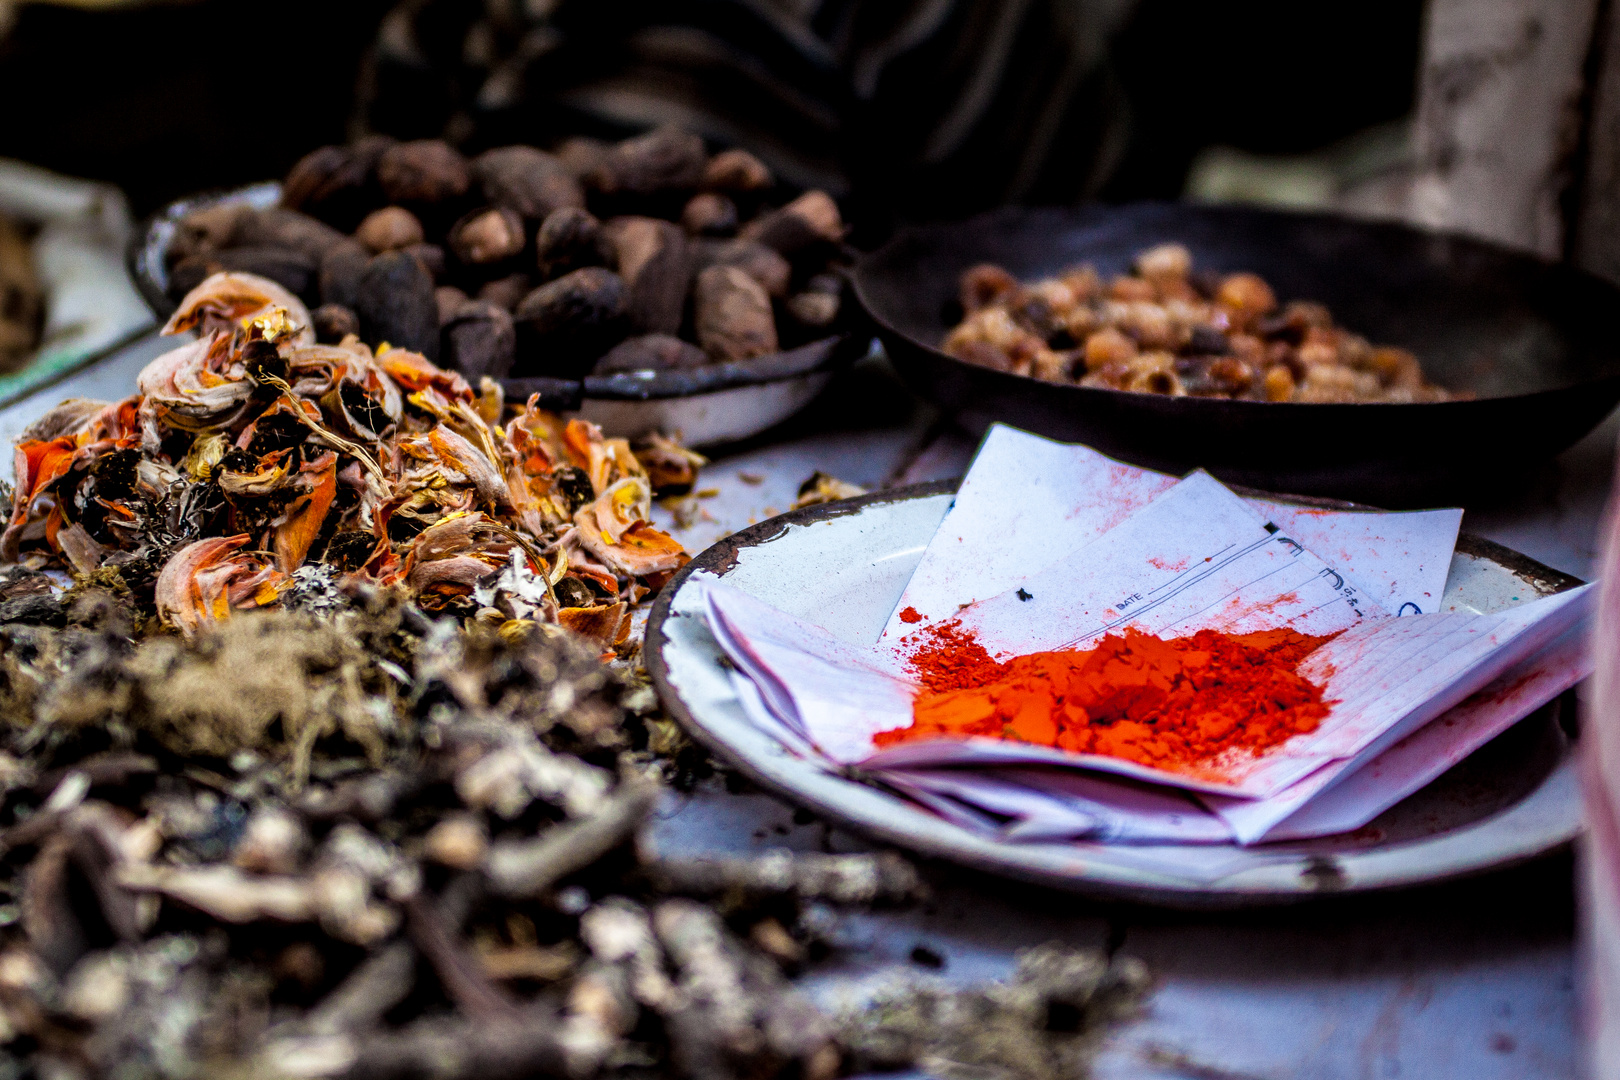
{"x":1175,"y":705}
{"x":910,"y":615}
{"x":950,"y":658}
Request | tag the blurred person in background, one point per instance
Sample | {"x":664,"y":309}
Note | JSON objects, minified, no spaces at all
{"x":906,"y":109}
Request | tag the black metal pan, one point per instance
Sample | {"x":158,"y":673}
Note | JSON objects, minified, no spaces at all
{"x":1536,"y":343}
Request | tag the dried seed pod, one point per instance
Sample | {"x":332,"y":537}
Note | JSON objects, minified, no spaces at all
{"x":812,"y":218}
{"x":389,"y":229}
{"x":293,"y":270}
{"x":567,"y":323}
{"x":479,"y":339}
{"x":817,"y":310}
{"x":664,"y":159}
{"x":652,"y":259}
{"x":334,"y":322}
{"x":580,"y":155}
{"x":736,"y":171}
{"x":985,"y":284}
{"x":448,"y":299}
{"x":341,"y":271}
{"x":205,"y":231}
{"x":759,"y":262}
{"x":507,"y":291}
{"x":486,"y":236}
{"x":709,"y":214}
{"x":733,"y":315}
{"x":431,"y":256}
{"x":337,"y":184}
{"x":278,"y":227}
{"x":651,"y":352}
{"x":530,"y":182}
{"x":424,"y":171}
{"x":570,"y":239}
{"x":396,"y":305}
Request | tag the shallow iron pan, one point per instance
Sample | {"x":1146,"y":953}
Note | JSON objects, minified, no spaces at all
{"x":1537,"y":344}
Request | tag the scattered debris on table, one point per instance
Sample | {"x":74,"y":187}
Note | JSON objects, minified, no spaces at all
{"x":821,"y":488}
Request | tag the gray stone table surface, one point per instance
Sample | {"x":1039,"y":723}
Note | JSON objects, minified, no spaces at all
{"x":1474,"y":980}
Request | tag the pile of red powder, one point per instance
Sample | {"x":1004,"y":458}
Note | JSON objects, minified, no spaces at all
{"x":1177,"y":704}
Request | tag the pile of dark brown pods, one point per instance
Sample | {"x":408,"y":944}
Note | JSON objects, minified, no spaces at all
{"x":646,"y":255}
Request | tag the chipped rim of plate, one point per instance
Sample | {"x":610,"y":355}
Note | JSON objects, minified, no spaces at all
{"x":1543,"y":820}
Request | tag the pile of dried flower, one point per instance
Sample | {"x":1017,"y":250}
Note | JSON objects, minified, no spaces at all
{"x":254,"y":462}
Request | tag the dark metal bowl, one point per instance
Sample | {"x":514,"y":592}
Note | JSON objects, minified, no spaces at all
{"x":715,"y":403}
{"x":1536,"y":343}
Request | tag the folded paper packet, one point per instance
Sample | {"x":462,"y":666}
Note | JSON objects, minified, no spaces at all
{"x":1183,"y":556}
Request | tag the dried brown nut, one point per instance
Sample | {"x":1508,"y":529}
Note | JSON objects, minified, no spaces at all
{"x":396,"y":305}
{"x":278,"y":227}
{"x":651,"y":352}
{"x":814,"y":309}
{"x":1165,"y":263}
{"x":568,"y":240}
{"x":389,"y":229}
{"x":191,"y":272}
{"x":759,"y":262}
{"x":1108,"y":346}
{"x":566,"y":324}
{"x":1246,"y":297}
{"x":653,"y":261}
{"x":486,"y":236}
{"x":205,"y":231}
{"x":431,"y":256}
{"x":580,"y":155}
{"x":736,"y":171}
{"x":479,"y":339}
{"x":337,"y":184}
{"x":733,"y":315}
{"x":810,"y":219}
{"x":530,"y":182}
{"x":294,"y":270}
{"x":340,"y":273}
{"x":448,"y":299}
{"x":985,"y":284}
{"x":665,"y":159}
{"x":333,"y":323}
{"x":507,"y":291}
{"x":709,"y":214}
{"x":424,"y":171}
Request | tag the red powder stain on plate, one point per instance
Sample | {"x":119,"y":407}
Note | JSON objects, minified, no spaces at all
{"x":910,"y":615}
{"x":1169,"y":567}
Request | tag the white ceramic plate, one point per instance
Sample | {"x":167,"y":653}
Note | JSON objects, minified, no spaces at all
{"x":843,"y":566}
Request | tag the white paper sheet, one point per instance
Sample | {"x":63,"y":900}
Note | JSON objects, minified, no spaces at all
{"x":1027,"y":501}
{"x":1421,"y":757}
{"x":1054,"y":804}
{"x":1196,"y":557}
{"x":1125,"y":546}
